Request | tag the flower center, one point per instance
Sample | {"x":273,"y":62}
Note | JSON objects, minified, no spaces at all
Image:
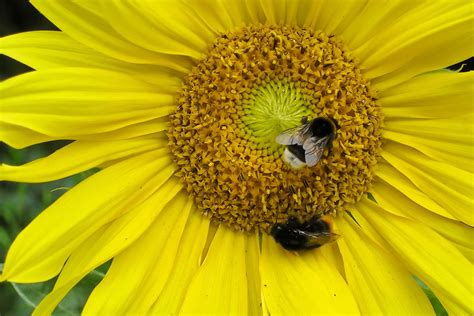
{"x":269,"y":109}
{"x":253,"y":84}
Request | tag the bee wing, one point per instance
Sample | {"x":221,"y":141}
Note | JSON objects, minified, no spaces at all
{"x":318,"y":239}
{"x":314,"y":149}
{"x":293,"y":136}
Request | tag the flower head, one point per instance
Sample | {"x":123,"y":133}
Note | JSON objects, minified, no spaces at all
{"x":180,"y":104}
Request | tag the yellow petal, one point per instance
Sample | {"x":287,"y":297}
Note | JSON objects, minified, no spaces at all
{"x":186,"y":264}
{"x":455,"y":130}
{"x":396,"y":179}
{"x":150,"y":129}
{"x":374,"y":18}
{"x":254,"y":285}
{"x":468,"y":251}
{"x":451,"y":307}
{"x":67,"y":280}
{"x":219,"y":19}
{"x":71,"y":101}
{"x":329,"y":16}
{"x":369,"y":231}
{"x":392,"y":200}
{"x":20,"y":137}
{"x":109,"y":241}
{"x":88,"y":28}
{"x":143,"y":266}
{"x":419,"y":66}
{"x":251,"y":13}
{"x":296,"y":283}
{"x":436,"y":95}
{"x":51,"y":49}
{"x":455,"y":153}
{"x":429,"y":41}
{"x":274,"y":11}
{"x":282,"y":12}
{"x":309,"y":17}
{"x":379,"y":283}
{"x":170,"y":28}
{"x":426,"y":254}
{"x":224,"y":16}
{"x":35,"y":256}
{"x":77,"y":157}
{"x":148,"y":290}
{"x":447,"y":185}
{"x":331,"y":253}
{"x":336,"y":15}
{"x":220,"y":284}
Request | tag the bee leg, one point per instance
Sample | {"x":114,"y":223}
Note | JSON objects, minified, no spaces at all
{"x":330,"y":145}
{"x":330,"y":153}
{"x":304,"y":120}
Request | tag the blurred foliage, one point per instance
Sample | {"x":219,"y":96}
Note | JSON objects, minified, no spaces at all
{"x":20,"y":204}
{"x":30,"y":295}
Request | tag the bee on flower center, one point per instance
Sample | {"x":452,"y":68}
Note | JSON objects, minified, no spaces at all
{"x":305,"y":144}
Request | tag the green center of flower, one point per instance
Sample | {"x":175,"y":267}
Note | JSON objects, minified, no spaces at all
{"x":269,"y":109}
{"x":254,"y":83}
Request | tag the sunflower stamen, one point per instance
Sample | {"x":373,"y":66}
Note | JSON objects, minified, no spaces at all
{"x":254,"y":83}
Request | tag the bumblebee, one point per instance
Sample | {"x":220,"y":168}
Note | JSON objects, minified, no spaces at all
{"x":305,"y":144}
{"x":296,"y":235}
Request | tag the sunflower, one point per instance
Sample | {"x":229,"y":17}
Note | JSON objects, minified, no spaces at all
{"x":178,"y":104}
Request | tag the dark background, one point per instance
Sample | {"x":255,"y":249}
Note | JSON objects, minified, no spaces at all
{"x":18,"y":16}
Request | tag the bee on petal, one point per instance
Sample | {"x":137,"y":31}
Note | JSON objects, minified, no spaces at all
{"x":294,"y":235}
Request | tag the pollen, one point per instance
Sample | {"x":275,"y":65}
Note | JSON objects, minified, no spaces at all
{"x":254,"y":83}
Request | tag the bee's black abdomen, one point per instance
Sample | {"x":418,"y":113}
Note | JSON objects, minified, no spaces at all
{"x":288,"y":238}
{"x":298,"y":151}
{"x":316,"y":224}
{"x":294,"y":235}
